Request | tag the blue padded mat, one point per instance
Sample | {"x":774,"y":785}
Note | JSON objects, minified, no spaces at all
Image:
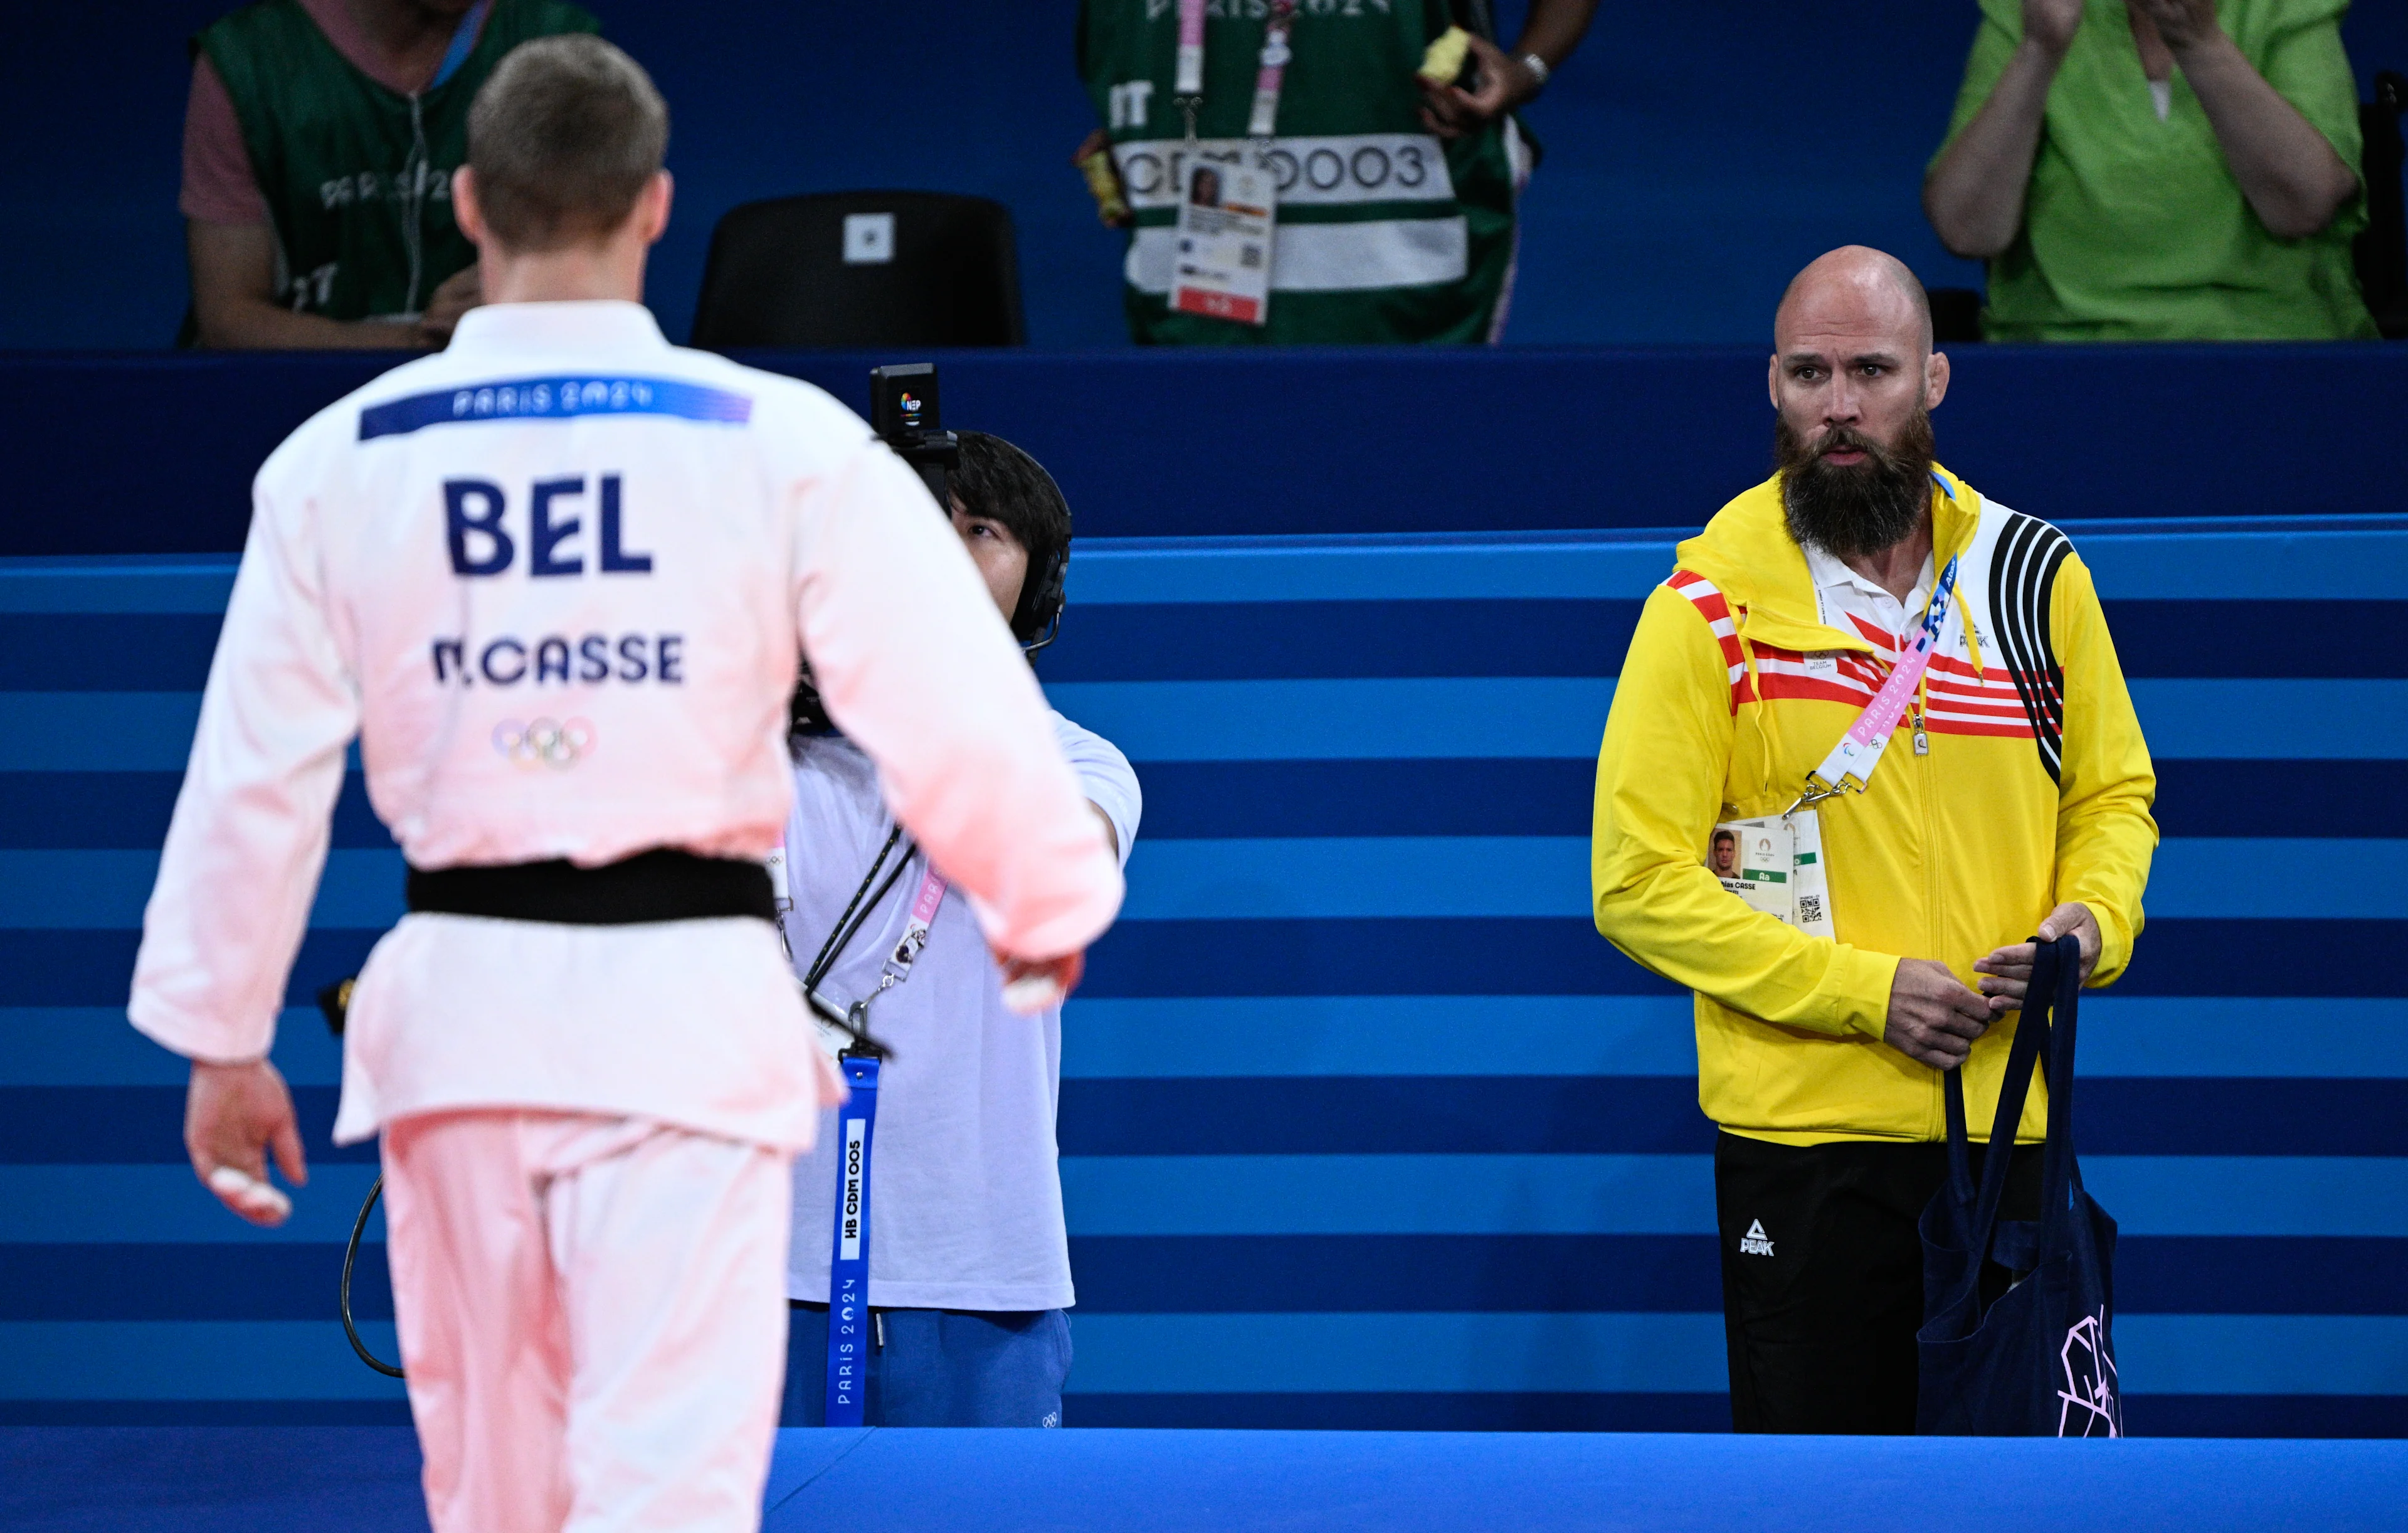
{"x":364,"y":1479}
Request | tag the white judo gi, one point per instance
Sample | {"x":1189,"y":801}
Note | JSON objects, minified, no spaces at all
{"x":554,"y":579}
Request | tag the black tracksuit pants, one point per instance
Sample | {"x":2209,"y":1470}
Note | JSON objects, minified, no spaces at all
{"x":1823,"y":1276}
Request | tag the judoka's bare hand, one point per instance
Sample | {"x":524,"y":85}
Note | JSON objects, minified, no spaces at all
{"x":2007,"y":973}
{"x":234,"y":1114}
{"x":1032,"y":985}
{"x":1933,"y":1019}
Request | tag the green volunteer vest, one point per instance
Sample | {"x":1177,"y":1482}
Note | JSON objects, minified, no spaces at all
{"x":1385,"y":233}
{"x":356,"y":178}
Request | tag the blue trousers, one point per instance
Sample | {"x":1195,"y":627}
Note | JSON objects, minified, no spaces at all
{"x":937,"y":1367}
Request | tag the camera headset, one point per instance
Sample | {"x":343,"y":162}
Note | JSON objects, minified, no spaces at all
{"x":903,"y":412}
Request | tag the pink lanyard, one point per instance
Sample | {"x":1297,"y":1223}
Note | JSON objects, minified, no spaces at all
{"x":1270,"y":73}
{"x":897,"y":966}
{"x":1850,"y":762}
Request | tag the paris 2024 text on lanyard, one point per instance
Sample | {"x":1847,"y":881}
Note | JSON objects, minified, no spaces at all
{"x":1779,"y":866}
{"x":849,"y":1319}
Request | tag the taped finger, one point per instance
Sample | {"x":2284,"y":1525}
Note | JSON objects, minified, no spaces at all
{"x":1031,"y":994}
{"x":249,"y":1196}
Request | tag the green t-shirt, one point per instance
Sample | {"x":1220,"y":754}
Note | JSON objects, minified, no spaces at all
{"x":2134,"y":228}
{"x":357,"y":178}
{"x":1385,"y":233}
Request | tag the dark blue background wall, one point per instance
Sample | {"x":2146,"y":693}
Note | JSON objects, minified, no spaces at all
{"x":1348,"y":440}
{"x":1698,"y":153}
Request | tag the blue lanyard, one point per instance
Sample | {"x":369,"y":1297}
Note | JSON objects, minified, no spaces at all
{"x":848,"y":1331}
{"x":849,"y":1321}
{"x":464,"y":41}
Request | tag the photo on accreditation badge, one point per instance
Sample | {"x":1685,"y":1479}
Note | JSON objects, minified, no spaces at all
{"x":1723,"y":855}
{"x":1204,"y":189}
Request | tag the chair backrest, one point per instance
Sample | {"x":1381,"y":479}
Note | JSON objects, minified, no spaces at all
{"x":862,"y":269}
{"x":2382,"y":247}
{"x":1956,"y":315}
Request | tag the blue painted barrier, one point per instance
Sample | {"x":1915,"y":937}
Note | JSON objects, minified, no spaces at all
{"x":1329,"y":1157}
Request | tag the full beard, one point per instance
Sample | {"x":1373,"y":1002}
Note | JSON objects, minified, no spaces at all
{"x":1854,"y":509}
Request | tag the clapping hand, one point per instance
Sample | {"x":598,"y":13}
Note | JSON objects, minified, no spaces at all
{"x":2182,"y":23}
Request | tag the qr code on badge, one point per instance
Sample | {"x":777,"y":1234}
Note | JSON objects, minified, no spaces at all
{"x":1250,"y":255}
{"x":1809,"y":907}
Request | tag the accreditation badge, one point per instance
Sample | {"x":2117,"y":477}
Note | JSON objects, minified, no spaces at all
{"x":1775,"y":865}
{"x":1223,"y":265}
{"x":1809,"y":888}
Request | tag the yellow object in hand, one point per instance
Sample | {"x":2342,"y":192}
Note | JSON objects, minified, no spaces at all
{"x":1442,"y":61}
{"x":1104,"y":185}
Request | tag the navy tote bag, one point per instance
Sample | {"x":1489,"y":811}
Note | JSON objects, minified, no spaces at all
{"x":2039,"y":1359}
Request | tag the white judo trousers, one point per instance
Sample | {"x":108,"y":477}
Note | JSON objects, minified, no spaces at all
{"x":592,"y":1317}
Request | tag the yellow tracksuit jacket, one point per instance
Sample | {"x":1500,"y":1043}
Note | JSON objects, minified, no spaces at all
{"x":2037,"y":789}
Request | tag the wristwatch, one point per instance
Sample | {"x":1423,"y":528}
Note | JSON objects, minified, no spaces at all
{"x":1538,"y":67}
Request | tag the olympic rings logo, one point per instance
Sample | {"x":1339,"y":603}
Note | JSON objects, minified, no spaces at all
{"x":544,"y":742}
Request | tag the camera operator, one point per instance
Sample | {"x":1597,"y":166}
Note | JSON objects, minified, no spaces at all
{"x":969,"y":1261}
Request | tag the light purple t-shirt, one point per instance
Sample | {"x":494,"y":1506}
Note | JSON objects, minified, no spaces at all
{"x":964,"y":1196}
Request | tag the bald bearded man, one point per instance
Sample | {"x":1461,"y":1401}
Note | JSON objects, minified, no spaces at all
{"x":2014,"y":797}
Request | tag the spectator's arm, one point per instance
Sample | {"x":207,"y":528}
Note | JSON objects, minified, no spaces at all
{"x":2294,"y":179}
{"x":1553,"y":30}
{"x":1973,"y":194}
{"x":233,"y":297}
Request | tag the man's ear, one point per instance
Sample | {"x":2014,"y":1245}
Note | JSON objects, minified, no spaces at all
{"x":465,"y":210}
{"x":1772,"y":380}
{"x":1935,"y":380}
{"x":655,"y":205}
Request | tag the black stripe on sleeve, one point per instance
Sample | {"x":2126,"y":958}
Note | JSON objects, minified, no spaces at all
{"x":2023,"y":576}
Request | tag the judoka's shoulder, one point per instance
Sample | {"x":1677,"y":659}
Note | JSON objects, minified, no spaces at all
{"x":320,"y":444}
{"x":804,"y":415}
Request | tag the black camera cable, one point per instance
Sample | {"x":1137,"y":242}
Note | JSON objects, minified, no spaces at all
{"x":351,"y":1255}
{"x":336,"y":1001}
{"x":848,"y":925}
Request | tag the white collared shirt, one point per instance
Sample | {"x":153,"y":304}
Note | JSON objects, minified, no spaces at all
{"x":1841,"y":594}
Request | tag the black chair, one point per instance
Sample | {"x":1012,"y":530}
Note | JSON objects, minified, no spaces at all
{"x":2382,"y":247}
{"x":1955,"y":316}
{"x":862,"y":269}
